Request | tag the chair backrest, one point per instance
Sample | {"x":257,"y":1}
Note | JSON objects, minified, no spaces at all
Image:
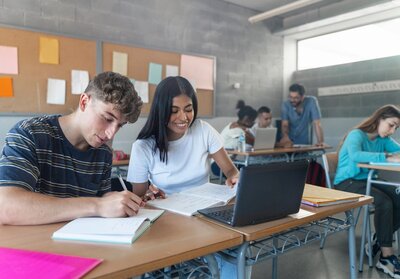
{"x":330,"y":161}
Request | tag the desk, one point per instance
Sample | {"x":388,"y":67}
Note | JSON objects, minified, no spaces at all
{"x":289,"y":153}
{"x":371,"y":180}
{"x":262,"y":235}
{"x":120,"y":163}
{"x":170,"y":240}
{"x":117,"y":164}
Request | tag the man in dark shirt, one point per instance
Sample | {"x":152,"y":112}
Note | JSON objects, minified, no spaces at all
{"x":56,"y":168}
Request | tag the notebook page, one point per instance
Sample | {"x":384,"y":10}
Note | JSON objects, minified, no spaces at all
{"x":213,"y":191}
{"x":183,"y":204}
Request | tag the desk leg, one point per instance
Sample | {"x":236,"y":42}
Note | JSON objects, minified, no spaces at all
{"x":364,"y":231}
{"x":352,"y":244}
{"x":213,"y":266}
{"x":241,"y":261}
{"x":275,"y":261}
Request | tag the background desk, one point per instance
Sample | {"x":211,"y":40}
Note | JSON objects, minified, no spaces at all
{"x":170,"y":240}
{"x":283,"y":154}
{"x":260,"y":235}
{"x":366,"y":223}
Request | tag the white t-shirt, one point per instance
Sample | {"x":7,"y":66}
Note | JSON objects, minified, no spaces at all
{"x":188,"y":159}
{"x":231,"y":136}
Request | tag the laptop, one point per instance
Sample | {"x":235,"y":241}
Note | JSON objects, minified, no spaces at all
{"x":264,"y":193}
{"x":264,"y":138}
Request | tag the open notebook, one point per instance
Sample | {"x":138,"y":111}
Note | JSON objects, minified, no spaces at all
{"x":114,"y":230}
{"x":189,"y":201}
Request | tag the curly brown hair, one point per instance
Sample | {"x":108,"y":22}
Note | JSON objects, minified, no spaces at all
{"x":116,"y":89}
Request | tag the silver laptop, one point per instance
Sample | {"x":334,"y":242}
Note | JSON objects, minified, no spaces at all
{"x":265,"y":192}
{"x":264,"y":138}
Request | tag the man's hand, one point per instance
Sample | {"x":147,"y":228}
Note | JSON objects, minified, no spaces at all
{"x":119,"y":204}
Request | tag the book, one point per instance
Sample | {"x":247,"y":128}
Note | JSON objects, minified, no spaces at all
{"x":17,"y":263}
{"x":388,"y":164}
{"x":113,"y":230}
{"x":189,"y":201}
{"x":320,"y":196}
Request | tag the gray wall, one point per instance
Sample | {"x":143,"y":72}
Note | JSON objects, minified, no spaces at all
{"x":353,"y":105}
{"x":245,"y":53}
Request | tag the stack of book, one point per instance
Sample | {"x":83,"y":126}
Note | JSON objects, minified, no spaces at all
{"x":319,"y":196}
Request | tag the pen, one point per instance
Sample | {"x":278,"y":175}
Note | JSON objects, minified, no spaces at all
{"x":122,"y":182}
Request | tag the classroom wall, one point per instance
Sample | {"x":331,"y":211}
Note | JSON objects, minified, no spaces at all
{"x":245,"y":53}
{"x":352,"y":105}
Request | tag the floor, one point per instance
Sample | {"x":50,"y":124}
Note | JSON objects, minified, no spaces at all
{"x":311,"y":262}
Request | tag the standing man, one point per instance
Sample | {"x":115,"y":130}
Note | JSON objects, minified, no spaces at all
{"x":56,"y":168}
{"x":297,"y":114}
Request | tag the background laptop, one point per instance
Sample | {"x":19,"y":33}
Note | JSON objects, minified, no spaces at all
{"x":265,"y":192}
{"x":264,"y":138}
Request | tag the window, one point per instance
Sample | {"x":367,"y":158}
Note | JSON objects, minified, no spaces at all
{"x":357,"y":44}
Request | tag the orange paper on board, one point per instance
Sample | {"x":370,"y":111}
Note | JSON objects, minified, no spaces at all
{"x":6,"y":88}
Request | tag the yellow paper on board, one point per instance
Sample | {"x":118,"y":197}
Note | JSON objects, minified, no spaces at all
{"x":49,"y":51}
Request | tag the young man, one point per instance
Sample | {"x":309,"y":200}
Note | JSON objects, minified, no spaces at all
{"x":297,"y":114}
{"x":56,"y":168}
{"x":264,"y":119}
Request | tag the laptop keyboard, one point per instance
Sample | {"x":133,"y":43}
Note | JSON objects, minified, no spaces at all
{"x":224,"y":214}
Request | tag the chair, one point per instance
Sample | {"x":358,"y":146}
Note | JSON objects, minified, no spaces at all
{"x":330,"y":161}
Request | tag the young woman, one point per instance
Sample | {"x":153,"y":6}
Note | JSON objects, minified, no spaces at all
{"x":231,"y":133}
{"x":371,"y":141}
{"x":174,"y":148}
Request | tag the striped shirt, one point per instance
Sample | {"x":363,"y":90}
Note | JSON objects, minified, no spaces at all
{"x":38,"y":157}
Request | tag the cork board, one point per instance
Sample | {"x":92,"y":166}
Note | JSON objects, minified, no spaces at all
{"x":138,"y":69}
{"x":30,"y":84}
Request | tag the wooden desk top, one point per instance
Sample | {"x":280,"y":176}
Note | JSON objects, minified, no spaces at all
{"x":279,"y":150}
{"x":170,"y":240}
{"x":117,"y":163}
{"x":259,"y":231}
{"x":376,"y":167}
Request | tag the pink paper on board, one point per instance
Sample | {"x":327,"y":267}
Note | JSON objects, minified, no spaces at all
{"x":16,"y":263}
{"x":198,"y":69}
{"x":8,"y":60}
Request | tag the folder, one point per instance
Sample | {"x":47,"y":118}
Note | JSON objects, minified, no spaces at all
{"x":16,"y":263}
{"x":320,"y":196}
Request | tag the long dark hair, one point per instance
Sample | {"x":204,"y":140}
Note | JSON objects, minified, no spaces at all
{"x":160,"y":112}
{"x":370,"y":125}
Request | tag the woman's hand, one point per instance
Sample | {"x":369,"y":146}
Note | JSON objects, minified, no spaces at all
{"x":232,"y":181}
{"x":153,"y":193}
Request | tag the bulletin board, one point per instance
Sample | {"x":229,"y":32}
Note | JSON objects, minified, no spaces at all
{"x":30,"y":84}
{"x":139,"y":60}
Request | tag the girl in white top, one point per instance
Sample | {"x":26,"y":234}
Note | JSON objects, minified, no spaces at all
{"x":173,"y":149}
{"x":246,"y":118}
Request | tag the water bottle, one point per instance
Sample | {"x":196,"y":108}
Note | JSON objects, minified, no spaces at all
{"x":242,"y":143}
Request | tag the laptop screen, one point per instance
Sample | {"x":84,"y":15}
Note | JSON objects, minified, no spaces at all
{"x":268,"y":192}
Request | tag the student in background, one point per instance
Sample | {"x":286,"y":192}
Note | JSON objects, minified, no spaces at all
{"x":297,"y":114}
{"x":264,"y":119}
{"x":173,"y":149}
{"x":232,"y":132}
{"x":371,"y":141}
{"x":56,"y":168}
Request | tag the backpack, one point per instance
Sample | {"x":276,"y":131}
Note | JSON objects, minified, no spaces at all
{"x":316,"y":174}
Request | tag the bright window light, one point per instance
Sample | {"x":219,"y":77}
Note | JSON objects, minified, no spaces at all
{"x":357,"y":44}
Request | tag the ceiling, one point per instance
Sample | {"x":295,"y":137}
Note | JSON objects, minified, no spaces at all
{"x":317,"y":12}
